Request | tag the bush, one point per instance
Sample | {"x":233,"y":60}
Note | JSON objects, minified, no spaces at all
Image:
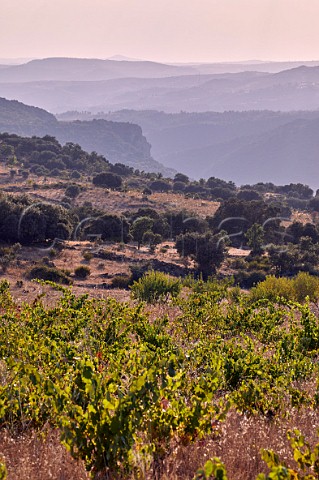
{"x":297,"y":288}
{"x":121,"y":281}
{"x":88,"y":256}
{"x":250,"y":279}
{"x":156,"y":286}
{"x":107,"y":180}
{"x":72,"y":191}
{"x":272,"y":288}
{"x":52,"y":274}
{"x":306,"y":285}
{"x":82,"y":271}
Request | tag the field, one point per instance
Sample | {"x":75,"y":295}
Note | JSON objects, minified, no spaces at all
{"x":133,"y":363}
{"x":208,"y":374}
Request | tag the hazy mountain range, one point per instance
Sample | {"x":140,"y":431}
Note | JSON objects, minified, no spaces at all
{"x":59,"y":84}
{"x":252,"y":122}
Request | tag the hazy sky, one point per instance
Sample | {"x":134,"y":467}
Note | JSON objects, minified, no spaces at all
{"x":161,"y":30}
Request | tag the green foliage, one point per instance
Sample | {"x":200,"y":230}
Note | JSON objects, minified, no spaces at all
{"x":306,"y":458}
{"x":140,"y":227}
{"x":297,"y":288}
{"x":273,"y":288}
{"x":255,"y":237}
{"x":123,"y":388}
{"x":72,"y":191}
{"x":3,"y":471}
{"x":156,"y":287}
{"x":306,"y":285}
{"x":107,"y":180}
{"x":213,"y":468}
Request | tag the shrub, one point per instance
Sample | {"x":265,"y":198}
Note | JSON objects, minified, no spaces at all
{"x":156,"y":286}
{"x":272,"y":288}
{"x":250,"y":279}
{"x":121,"y":281}
{"x":43,"y":272}
{"x":82,"y":271}
{"x":306,"y":285}
{"x":297,"y":288}
{"x":88,"y":256}
{"x":72,"y":191}
{"x":52,"y":252}
{"x":107,"y":180}
{"x":75,"y":174}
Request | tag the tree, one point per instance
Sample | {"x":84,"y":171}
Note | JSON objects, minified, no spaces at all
{"x":107,"y":180}
{"x":179,"y":186}
{"x":109,"y":227}
{"x":255,"y":236}
{"x":140,"y":227}
{"x":246,"y":194}
{"x":207,"y":250}
{"x":160,"y":186}
{"x":152,"y":239}
{"x":180,"y":177}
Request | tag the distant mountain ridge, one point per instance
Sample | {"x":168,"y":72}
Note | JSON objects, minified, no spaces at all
{"x":108,"y":85}
{"x":119,"y":142}
{"x":87,"y":69}
{"x":245,"y":147}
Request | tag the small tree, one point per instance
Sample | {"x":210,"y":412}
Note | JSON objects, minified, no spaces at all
{"x":255,"y":237}
{"x":207,"y":250}
{"x":140,"y":227}
{"x":107,"y":180}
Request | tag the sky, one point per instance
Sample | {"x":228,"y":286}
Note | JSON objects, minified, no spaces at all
{"x":161,"y":30}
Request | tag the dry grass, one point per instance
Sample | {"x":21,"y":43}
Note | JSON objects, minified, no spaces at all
{"x":30,"y":457}
{"x":239,"y":443}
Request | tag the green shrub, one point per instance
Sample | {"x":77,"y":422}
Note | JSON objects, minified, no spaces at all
{"x":52,"y":252}
{"x":272,"y":288}
{"x":156,"y":286}
{"x":297,"y":288}
{"x":306,"y":285}
{"x":43,"y":272}
{"x":82,"y":271}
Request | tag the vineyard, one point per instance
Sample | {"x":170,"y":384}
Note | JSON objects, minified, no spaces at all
{"x":126,"y":385}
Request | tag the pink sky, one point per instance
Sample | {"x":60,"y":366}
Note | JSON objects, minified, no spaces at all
{"x":161,"y":30}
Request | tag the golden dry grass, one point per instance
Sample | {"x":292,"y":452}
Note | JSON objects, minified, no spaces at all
{"x":32,"y":457}
{"x":237,"y":441}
